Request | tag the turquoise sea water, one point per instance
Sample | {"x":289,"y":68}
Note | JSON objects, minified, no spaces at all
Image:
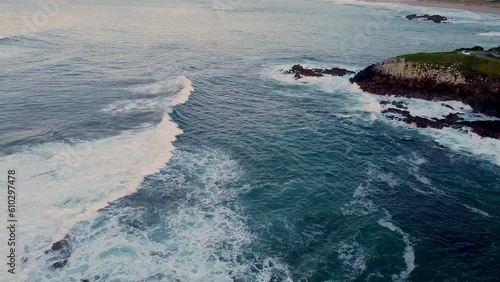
{"x":270,"y":179}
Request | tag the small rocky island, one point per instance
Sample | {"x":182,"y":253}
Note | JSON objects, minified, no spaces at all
{"x":426,"y":17}
{"x":299,"y":72}
{"x":469,"y":75}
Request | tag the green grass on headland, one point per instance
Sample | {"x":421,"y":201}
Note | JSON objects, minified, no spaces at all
{"x":488,"y":66}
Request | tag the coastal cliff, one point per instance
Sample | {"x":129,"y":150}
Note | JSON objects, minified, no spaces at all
{"x":437,"y":76}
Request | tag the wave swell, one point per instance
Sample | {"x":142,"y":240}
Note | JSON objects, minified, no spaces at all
{"x":84,"y":177}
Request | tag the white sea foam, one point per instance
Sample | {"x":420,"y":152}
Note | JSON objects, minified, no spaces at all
{"x":359,"y":207}
{"x":360,"y":192}
{"x":137,"y":105}
{"x":326,"y":82}
{"x":362,"y":206}
{"x":63,"y":184}
{"x":359,"y":101}
{"x":435,"y":109}
{"x":476,"y":210}
{"x":490,"y":33}
{"x":220,"y":8}
{"x":202,"y":237}
{"x":389,"y":178}
{"x":353,"y":258}
{"x":409,"y":253}
{"x":186,"y":90}
{"x":467,"y":143}
{"x":415,"y":161}
{"x":462,"y":141}
{"x":156,"y":103}
{"x":342,"y":115}
{"x":164,"y":85}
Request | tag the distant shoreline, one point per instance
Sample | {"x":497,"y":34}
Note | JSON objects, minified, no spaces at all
{"x":488,"y":7}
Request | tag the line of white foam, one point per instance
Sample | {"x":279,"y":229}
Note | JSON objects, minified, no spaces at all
{"x":476,"y":210}
{"x":490,"y":33}
{"x":409,"y":253}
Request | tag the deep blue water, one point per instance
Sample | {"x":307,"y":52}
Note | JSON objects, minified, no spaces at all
{"x":271,"y":179}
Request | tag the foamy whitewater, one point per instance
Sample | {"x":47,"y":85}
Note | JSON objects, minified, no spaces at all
{"x":116,"y":166}
{"x":162,"y":142}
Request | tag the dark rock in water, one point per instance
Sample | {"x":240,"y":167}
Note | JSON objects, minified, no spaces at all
{"x":59,"y":264}
{"x":59,"y":245}
{"x":84,"y":280}
{"x":299,"y":72}
{"x":59,"y":253}
{"x":448,"y":106}
{"x":483,"y":128}
{"x":451,"y":119}
{"x":418,"y":121}
{"x":400,"y":105}
{"x":434,"y":18}
{"x":337,"y":72}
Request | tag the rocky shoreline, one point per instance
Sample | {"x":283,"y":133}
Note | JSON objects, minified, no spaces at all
{"x":483,"y":128}
{"x":457,"y":76}
{"x":406,"y":79}
{"x":435,"y":79}
{"x":397,"y":78}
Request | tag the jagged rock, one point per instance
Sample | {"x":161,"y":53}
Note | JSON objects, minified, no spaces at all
{"x":448,"y":106}
{"x":418,"y":121}
{"x":60,"y":264}
{"x":450,"y":119}
{"x":59,"y":245}
{"x":337,"y":72}
{"x":299,"y":72}
{"x":59,"y":253}
{"x":434,"y":18}
{"x":484,"y":128}
{"x":488,"y":128}
{"x":396,"y":111}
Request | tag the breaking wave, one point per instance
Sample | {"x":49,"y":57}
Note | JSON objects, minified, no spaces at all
{"x":85,"y":176}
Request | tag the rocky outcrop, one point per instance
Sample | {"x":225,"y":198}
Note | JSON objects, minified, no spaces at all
{"x":475,"y":48}
{"x":483,"y":128}
{"x":420,"y":80}
{"x":59,"y":253}
{"x":426,"y":17}
{"x":299,"y":72}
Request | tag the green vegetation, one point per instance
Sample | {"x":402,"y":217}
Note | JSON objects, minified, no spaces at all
{"x":485,"y":65}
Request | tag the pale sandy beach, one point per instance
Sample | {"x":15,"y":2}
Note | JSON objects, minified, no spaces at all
{"x":473,"y":6}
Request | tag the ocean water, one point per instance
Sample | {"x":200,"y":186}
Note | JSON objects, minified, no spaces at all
{"x":161,"y":139}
